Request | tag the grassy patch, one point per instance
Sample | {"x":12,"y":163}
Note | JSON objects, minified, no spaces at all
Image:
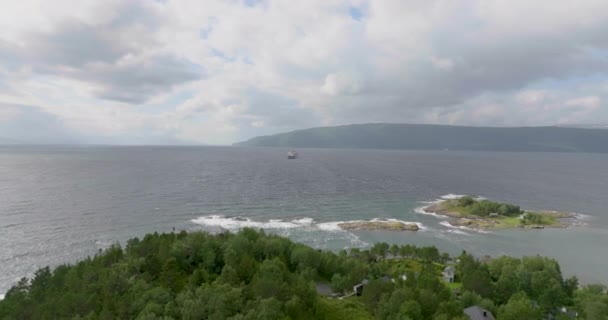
{"x":452,"y":205}
{"x":349,"y":308}
{"x":507,"y":222}
{"x":532,"y":218}
{"x":453,"y":285}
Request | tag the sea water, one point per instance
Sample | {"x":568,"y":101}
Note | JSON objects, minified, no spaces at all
{"x":60,"y":204}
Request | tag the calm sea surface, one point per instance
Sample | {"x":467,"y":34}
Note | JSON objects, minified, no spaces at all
{"x":60,"y":204}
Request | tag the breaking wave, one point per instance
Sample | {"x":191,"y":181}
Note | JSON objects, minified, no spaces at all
{"x":453,"y":227}
{"x":452,"y":196}
{"x":579,"y":220}
{"x":421,"y":210}
{"x":457,"y":231}
{"x":236,"y":223}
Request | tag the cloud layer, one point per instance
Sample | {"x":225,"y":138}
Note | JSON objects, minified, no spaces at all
{"x":214,"y":72}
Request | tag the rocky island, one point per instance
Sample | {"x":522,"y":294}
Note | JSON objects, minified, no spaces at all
{"x":484,"y":214}
{"x":380,"y":225}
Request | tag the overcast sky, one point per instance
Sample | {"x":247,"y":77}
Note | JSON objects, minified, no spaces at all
{"x":216,"y":72}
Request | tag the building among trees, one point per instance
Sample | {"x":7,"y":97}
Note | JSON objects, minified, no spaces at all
{"x":478,"y":313}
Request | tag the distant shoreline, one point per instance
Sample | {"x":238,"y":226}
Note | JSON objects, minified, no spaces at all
{"x":396,"y":136}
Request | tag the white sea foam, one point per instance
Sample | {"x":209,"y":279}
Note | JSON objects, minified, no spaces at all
{"x":452,"y":196}
{"x":356,"y":242}
{"x":581,"y":216}
{"x":330,"y":226}
{"x":1,"y":297}
{"x":457,"y":231}
{"x":447,"y":224}
{"x":239,"y":223}
{"x":236,"y":223}
{"x":304,"y":221}
{"x":579,"y":220}
{"x":421,"y":210}
{"x":451,"y":226}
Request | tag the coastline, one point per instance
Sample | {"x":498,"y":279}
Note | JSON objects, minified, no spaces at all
{"x":457,"y":219}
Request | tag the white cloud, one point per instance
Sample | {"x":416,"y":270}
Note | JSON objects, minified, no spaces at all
{"x":589,"y":102}
{"x":531,"y":97}
{"x":341,"y":83}
{"x":442,"y":63}
{"x":219,"y":71}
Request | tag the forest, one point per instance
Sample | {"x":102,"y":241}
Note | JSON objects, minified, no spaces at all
{"x":255,"y":275}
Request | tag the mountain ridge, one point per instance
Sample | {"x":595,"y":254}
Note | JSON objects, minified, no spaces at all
{"x":440,"y":137}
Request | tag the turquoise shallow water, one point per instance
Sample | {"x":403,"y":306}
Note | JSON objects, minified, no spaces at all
{"x":59,"y":204}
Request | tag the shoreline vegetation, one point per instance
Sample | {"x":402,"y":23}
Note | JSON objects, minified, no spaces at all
{"x":475,"y":213}
{"x":253,"y":275}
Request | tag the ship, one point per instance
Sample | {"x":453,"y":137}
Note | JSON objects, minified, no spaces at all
{"x":292,"y":155}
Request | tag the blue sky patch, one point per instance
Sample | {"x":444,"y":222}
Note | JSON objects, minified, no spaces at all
{"x":252,"y":3}
{"x":355,"y":13}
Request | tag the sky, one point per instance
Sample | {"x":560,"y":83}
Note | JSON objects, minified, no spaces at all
{"x":217,"y":72}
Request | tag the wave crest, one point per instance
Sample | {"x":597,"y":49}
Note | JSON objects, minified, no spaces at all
{"x":451,"y":226}
{"x":236,"y":223}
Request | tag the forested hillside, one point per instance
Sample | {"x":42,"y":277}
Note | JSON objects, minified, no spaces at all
{"x":253,"y":275}
{"x":438,"y":137}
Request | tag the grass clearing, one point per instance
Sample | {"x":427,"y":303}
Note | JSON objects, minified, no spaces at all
{"x":453,"y":285}
{"x":349,"y":308}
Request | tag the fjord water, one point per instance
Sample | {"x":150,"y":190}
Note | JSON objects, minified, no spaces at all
{"x":60,"y":204}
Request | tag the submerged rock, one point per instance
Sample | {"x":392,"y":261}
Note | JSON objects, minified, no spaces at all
{"x":379,"y":225}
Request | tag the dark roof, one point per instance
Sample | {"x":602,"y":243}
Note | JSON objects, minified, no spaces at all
{"x":324,"y":289}
{"x":477,"y":313}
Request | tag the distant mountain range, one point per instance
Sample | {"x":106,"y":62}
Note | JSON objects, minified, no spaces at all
{"x":439,"y":137}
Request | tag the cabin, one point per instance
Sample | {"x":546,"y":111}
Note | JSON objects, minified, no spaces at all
{"x":448,"y":274}
{"x":358,"y":288}
{"x":478,"y":313}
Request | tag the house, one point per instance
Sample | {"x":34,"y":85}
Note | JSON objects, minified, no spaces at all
{"x":571,"y":314}
{"x":358,"y":288}
{"x":478,"y":313}
{"x":448,"y":274}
